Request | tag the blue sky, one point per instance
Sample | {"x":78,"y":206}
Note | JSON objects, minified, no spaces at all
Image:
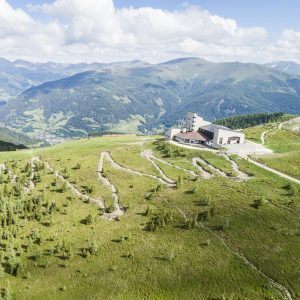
{"x":152,"y":30}
{"x":274,"y":15}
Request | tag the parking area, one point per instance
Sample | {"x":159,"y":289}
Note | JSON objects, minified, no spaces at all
{"x":247,"y":149}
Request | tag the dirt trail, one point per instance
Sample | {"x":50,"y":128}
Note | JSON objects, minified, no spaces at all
{"x":148,"y":154}
{"x":31,"y":186}
{"x":107,"y":156}
{"x":213,"y":168}
{"x":239,"y":174}
{"x":295,"y":120}
{"x":204,"y":174}
{"x":97,"y":201}
{"x":262,"y":137}
{"x":119,"y":210}
{"x":283,"y":175}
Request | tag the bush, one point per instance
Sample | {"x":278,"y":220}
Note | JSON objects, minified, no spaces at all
{"x":78,"y":166}
{"x":257,"y":203}
{"x":89,"y":219}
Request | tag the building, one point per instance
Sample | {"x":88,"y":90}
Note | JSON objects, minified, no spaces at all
{"x":197,"y":131}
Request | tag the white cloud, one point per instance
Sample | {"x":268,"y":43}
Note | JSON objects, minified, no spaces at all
{"x":95,"y":30}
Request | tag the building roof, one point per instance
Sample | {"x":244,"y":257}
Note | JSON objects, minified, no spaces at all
{"x":213,"y":128}
{"x":195,"y":135}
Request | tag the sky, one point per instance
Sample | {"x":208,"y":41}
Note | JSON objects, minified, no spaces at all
{"x":150,"y":30}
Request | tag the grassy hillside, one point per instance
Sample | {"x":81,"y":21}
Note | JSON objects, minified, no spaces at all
{"x":284,"y":141}
{"x":181,"y":236}
{"x":16,"y":138}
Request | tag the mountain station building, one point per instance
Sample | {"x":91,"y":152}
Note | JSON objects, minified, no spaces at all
{"x":197,"y":131}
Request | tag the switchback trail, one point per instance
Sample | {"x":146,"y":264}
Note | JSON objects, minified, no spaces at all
{"x":119,"y":209}
{"x":148,"y":154}
{"x":164,"y":180}
{"x":196,"y":161}
{"x":97,"y":201}
{"x":239,"y":174}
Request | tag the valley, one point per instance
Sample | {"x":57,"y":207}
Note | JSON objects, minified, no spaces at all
{"x":141,"y":98}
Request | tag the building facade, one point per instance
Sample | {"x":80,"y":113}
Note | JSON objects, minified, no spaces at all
{"x":200,"y":132}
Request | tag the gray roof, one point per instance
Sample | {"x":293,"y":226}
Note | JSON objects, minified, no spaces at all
{"x":213,"y":128}
{"x":194,"y":135}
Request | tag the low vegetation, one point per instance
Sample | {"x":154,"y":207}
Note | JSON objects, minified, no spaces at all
{"x":173,"y":242}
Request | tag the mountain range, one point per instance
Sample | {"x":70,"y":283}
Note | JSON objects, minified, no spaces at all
{"x":58,"y":100}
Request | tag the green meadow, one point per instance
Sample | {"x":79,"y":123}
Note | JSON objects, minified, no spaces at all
{"x":215,"y":238}
{"x":285,"y":143}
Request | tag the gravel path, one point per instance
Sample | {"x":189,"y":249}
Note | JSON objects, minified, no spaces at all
{"x":119,"y":210}
{"x":97,"y":201}
{"x":239,"y":174}
{"x":150,"y":155}
{"x":262,"y":137}
{"x":283,"y":175}
{"x":204,"y":174}
{"x":147,"y":154}
{"x":169,"y":182}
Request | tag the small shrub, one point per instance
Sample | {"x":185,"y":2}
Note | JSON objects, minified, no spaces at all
{"x":257,"y":203}
{"x":89,"y":219}
{"x":78,"y":166}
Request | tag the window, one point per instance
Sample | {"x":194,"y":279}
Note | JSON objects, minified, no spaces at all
{"x":221,"y":140}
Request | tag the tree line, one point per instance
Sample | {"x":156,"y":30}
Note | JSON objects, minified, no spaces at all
{"x":250,"y":120}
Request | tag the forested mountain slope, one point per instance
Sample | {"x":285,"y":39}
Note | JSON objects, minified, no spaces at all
{"x":138,"y":97}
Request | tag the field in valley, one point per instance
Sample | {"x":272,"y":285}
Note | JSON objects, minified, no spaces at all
{"x":136,"y":218}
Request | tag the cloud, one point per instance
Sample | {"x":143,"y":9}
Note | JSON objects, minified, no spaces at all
{"x":95,"y":30}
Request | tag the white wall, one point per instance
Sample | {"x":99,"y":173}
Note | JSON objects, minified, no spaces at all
{"x":194,"y":122}
{"x":171,"y":132}
{"x":225,"y":135}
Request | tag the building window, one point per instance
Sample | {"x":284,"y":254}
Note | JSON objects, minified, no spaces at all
{"x":221,"y":140}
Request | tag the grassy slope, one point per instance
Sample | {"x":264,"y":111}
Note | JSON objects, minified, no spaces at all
{"x":286,"y":146}
{"x":269,"y":236}
{"x":10,"y":136}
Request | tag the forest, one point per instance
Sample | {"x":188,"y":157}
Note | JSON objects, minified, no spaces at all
{"x":249,"y":120}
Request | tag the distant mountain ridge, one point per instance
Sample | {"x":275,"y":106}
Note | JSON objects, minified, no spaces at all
{"x":285,"y":66}
{"x":140,"y":97}
{"x":19,"y":75}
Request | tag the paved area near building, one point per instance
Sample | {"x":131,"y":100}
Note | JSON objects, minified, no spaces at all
{"x":247,"y":149}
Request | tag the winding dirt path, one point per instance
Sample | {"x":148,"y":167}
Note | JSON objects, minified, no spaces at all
{"x":119,"y":209}
{"x":213,"y":168}
{"x":31,"y":186}
{"x":148,"y":154}
{"x":297,"y":119}
{"x":97,"y":201}
{"x":262,"y":137}
{"x":283,"y":175}
{"x":169,"y":182}
{"x":239,"y":174}
{"x":204,"y":173}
